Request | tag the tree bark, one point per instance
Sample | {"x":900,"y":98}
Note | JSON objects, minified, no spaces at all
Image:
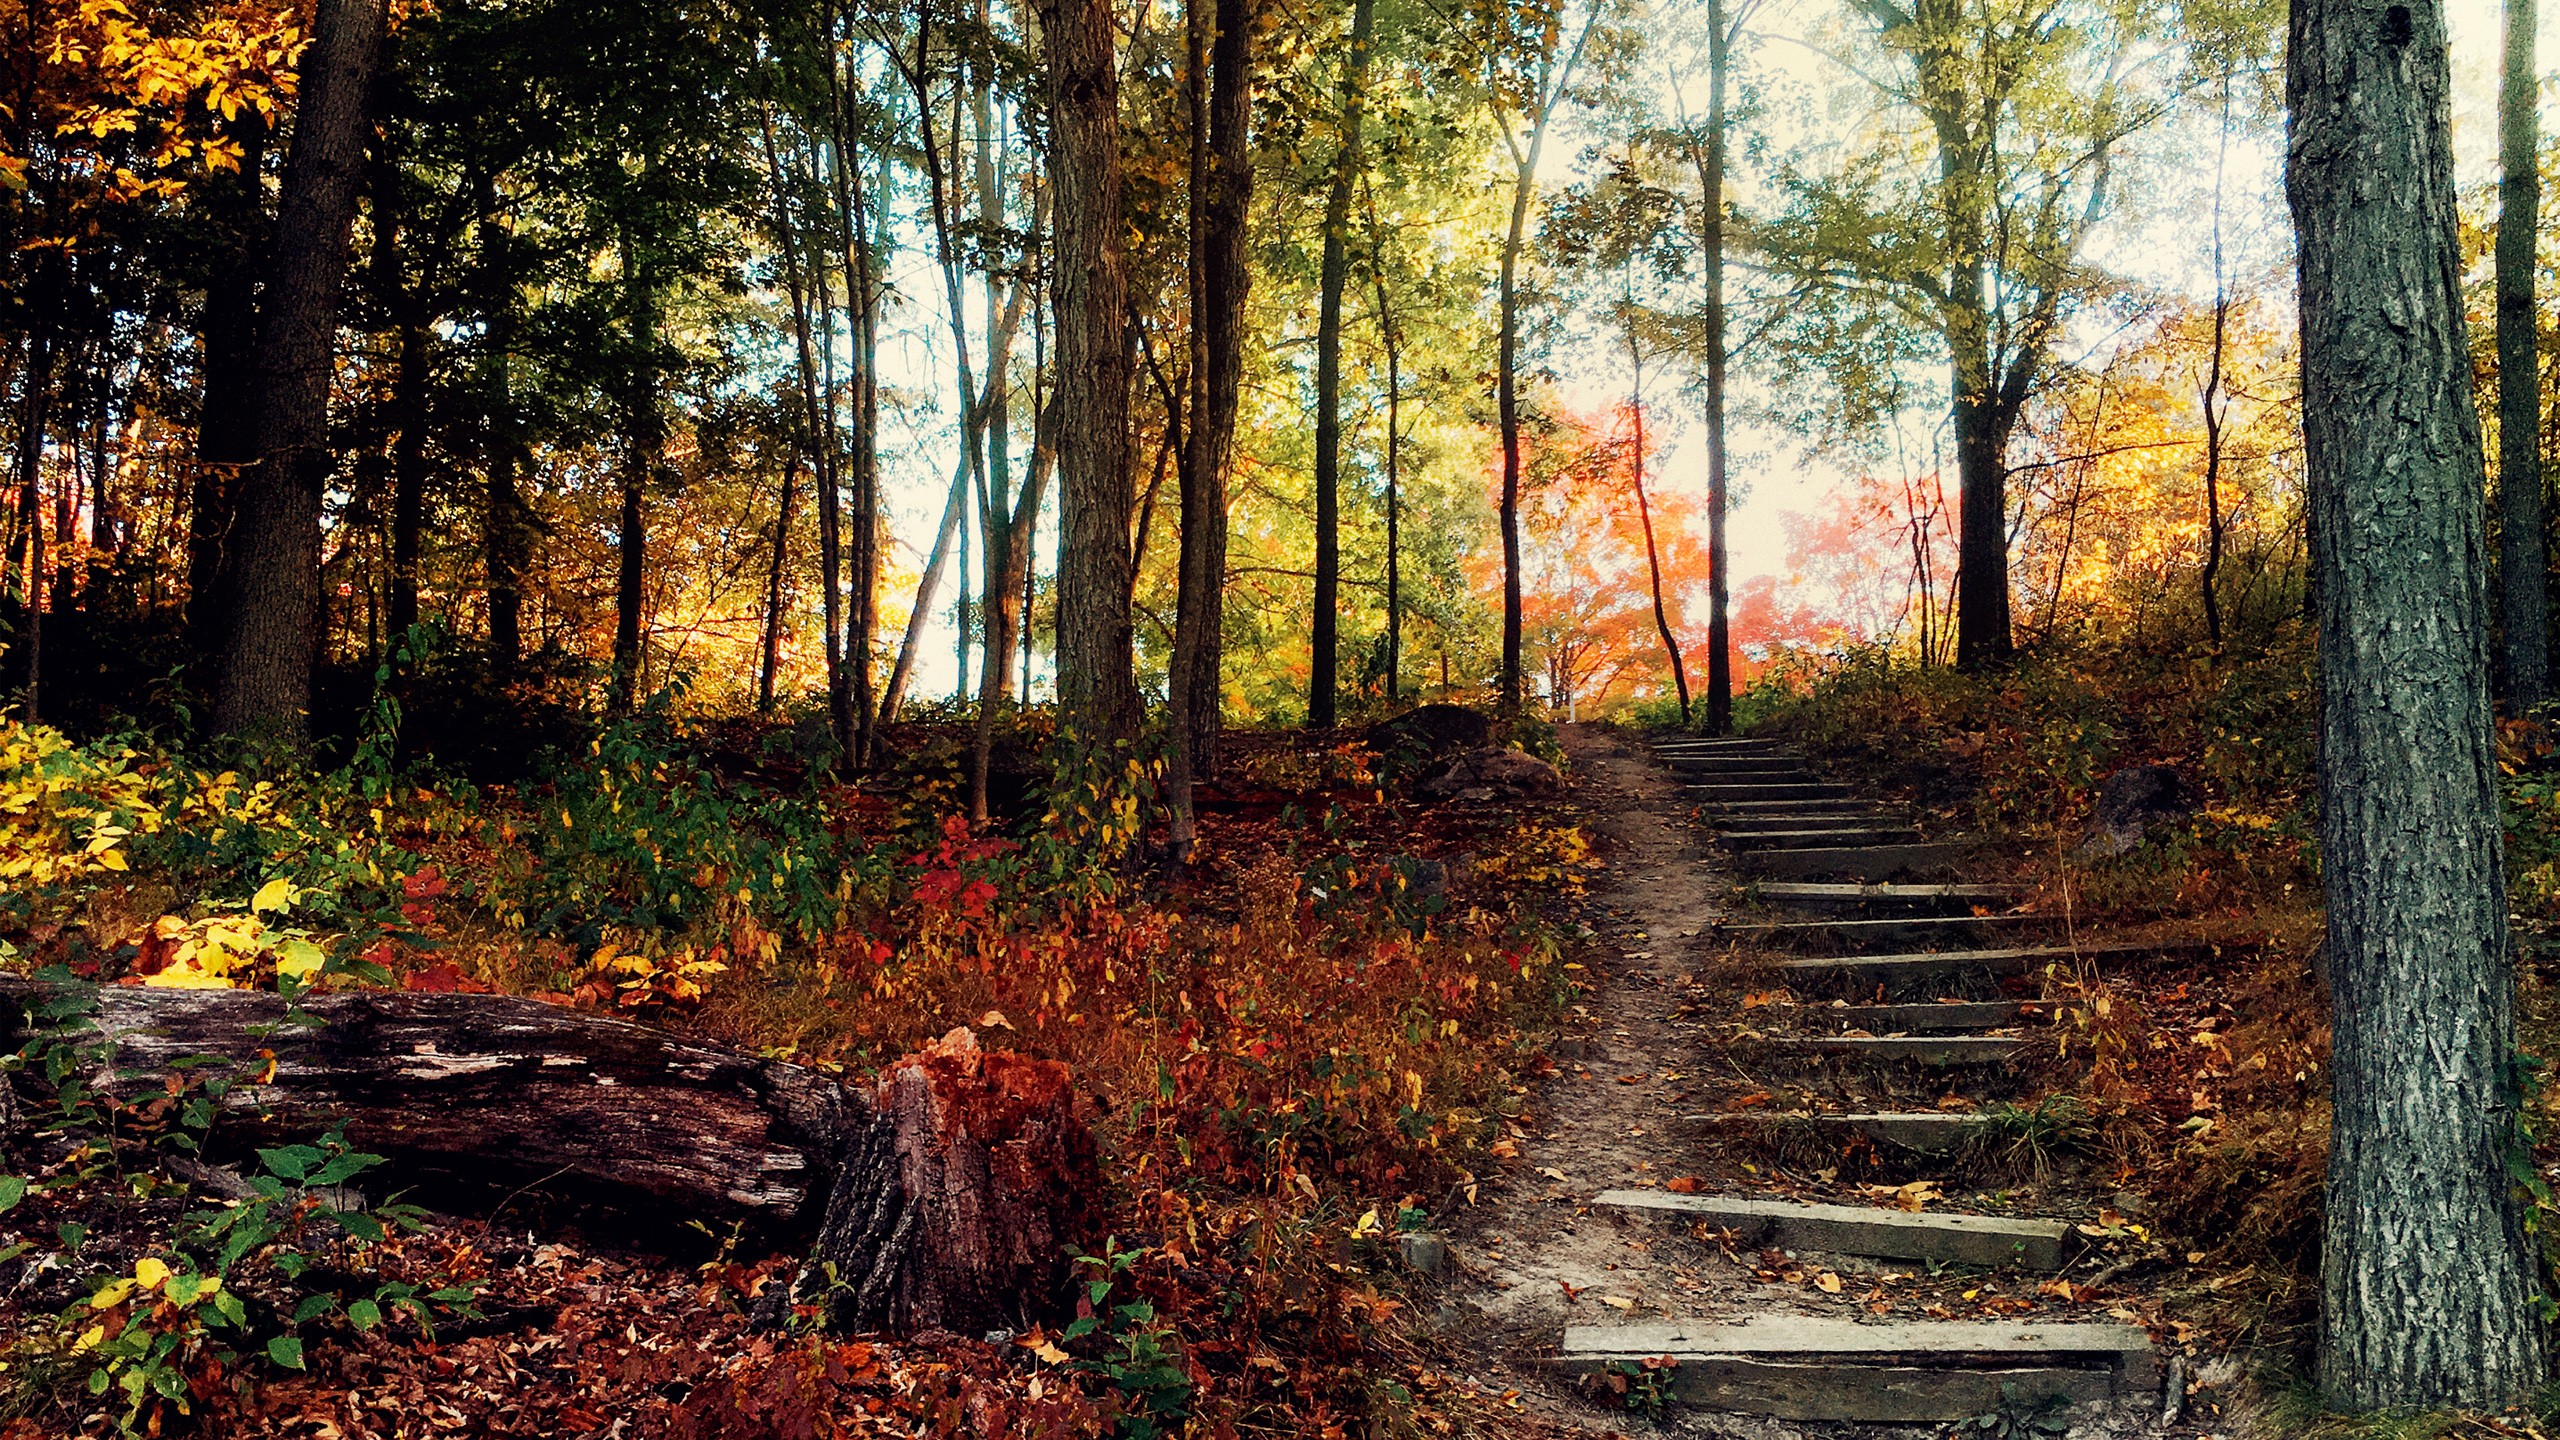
{"x":1336,"y":268}
{"x":1097,"y":683}
{"x":2523,"y":576}
{"x":1388,"y":341}
{"x":1711,"y":194}
{"x":272,"y":611}
{"x":944,"y":1194}
{"x":227,"y":425}
{"x":2426,"y":1285}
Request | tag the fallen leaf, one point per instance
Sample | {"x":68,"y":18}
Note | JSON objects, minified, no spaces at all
{"x":1685,"y":1185}
{"x":1827,"y":1283}
{"x":1631,"y":1079}
{"x":1552,"y":1173}
{"x":1617,"y":1302}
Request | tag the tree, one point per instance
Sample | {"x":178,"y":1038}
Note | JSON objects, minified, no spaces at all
{"x":2427,"y":1290}
{"x":2523,"y":582}
{"x":1222,"y":197}
{"x":2023,"y":103}
{"x":1525,"y":106}
{"x":1336,"y":272}
{"x":1097,"y":686}
{"x":271,"y":613}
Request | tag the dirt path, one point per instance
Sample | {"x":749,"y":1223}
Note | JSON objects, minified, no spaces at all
{"x":1533,"y":1257}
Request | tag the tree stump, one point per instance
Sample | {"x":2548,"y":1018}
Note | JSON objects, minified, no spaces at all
{"x":954,"y":1207}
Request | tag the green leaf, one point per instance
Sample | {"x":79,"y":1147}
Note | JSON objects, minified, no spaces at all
{"x":293,"y":1162}
{"x":340,"y":1170}
{"x":13,"y":1188}
{"x":286,"y":1351}
{"x":313,"y":1307}
{"x":231,"y":1308}
{"x":358,"y":1224}
{"x":364,"y":1314}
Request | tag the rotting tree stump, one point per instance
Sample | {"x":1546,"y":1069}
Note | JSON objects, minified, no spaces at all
{"x":942,"y":1198}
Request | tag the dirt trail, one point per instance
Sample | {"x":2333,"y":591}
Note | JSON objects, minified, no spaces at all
{"x":1533,"y":1257}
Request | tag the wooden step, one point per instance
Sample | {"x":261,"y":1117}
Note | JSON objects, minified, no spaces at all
{"x":1861,"y":1229}
{"x":1904,"y":969}
{"x":1711,"y":745}
{"x":1803,"y":835}
{"x":1781,"y":809}
{"x":1936,"y":1051}
{"x":1852,"y":936}
{"x":1895,"y":1372}
{"x":1923,"y":1132}
{"x":1931,"y":1019}
{"x":1838,"y":896}
{"x":1855,"y":862}
{"x":1721,"y":791}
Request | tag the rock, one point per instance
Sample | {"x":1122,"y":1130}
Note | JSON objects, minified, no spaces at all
{"x":1427,"y":732}
{"x":1424,"y":1254}
{"x":1487,"y":773}
{"x":2130,"y":802}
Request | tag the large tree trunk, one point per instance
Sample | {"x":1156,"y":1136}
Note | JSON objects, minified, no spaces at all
{"x":272,"y":612}
{"x":944,"y":1195}
{"x":227,"y":425}
{"x":1981,"y":428}
{"x":1711,"y":195}
{"x":2427,"y":1290}
{"x":1097,"y":684}
{"x":2520,"y":534}
{"x":1336,"y":269}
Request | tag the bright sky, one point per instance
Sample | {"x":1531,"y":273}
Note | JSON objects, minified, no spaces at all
{"x":2156,"y":235}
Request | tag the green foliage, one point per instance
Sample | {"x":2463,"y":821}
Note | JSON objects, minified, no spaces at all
{"x":1132,"y":1349}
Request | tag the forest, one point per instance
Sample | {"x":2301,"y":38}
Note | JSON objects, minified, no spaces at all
{"x":1374,"y":718}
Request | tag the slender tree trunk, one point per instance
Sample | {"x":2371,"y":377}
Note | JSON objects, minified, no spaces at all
{"x":639,"y":464}
{"x":272,"y":573}
{"x":506,"y":529}
{"x":34,"y":395}
{"x":2427,"y":1287}
{"x":2521,"y":539}
{"x":1223,"y":196}
{"x":1097,"y":685}
{"x":1644,"y":515}
{"x":1507,"y":410}
{"x":1336,"y":270}
{"x":2209,"y":581}
{"x":1980,"y":424}
{"x":817,"y":438}
{"x":1387,"y":339}
{"x":774,"y":595}
{"x":1719,"y":497}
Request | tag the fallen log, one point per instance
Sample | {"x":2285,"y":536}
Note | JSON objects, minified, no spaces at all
{"x":941,"y":1198}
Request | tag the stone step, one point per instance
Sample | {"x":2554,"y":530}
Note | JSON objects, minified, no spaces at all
{"x":1943,"y":899}
{"x":1861,"y":1229}
{"x":1810,"y":833}
{"x":1855,"y":862}
{"x":1897,"y":1372}
{"x":1727,"y":790}
{"x":1923,"y":1132}
{"x":1935,"y":1051}
{"x":1852,"y":936}
{"x":1934,"y":964}
{"x":1931,"y":1019}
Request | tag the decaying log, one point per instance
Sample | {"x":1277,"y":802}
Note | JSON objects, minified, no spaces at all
{"x":944,"y":1198}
